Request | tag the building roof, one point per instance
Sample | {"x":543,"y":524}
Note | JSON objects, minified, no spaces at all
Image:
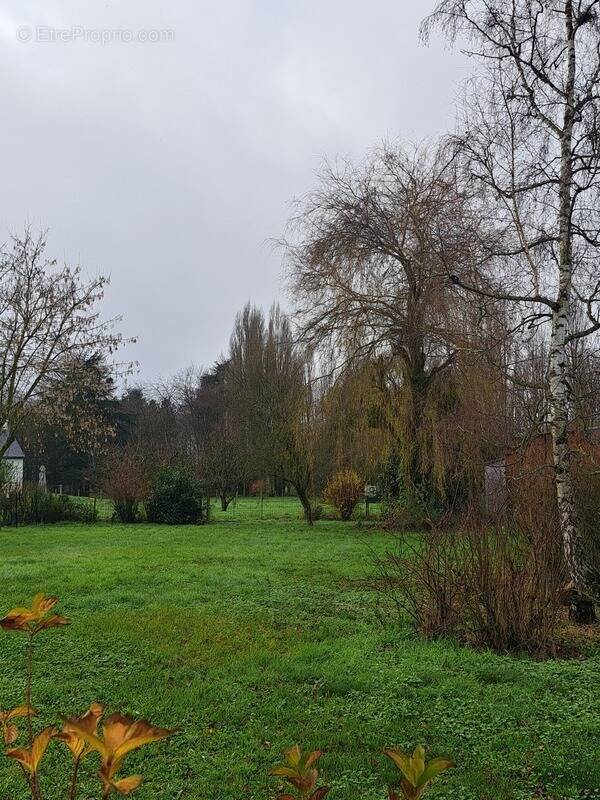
{"x":14,"y":449}
{"x":591,"y":435}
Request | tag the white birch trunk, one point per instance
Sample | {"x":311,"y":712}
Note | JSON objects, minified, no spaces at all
{"x":559,"y":410}
{"x":573,"y":544}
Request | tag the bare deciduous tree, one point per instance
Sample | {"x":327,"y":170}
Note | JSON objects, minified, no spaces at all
{"x":210,"y":430}
{"x":49,"y":327}
{"x":530,"y":147}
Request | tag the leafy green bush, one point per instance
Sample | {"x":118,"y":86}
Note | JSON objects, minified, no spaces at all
{"x":176,"y":498}
{"x":82,"y":511}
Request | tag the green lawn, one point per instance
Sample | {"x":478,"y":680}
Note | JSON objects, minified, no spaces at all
{"x":253,"y":635}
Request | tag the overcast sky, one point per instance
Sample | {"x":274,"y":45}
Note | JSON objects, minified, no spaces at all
{"x":170,"y":165}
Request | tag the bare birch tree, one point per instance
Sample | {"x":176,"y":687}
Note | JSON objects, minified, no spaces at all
{"x":530,"y":145}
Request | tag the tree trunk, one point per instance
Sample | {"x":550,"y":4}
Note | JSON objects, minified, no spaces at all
{"x":306,"y":505}
{"x":224,"y":502}
{"x":582,"y":607}
{"x":419,"y":385}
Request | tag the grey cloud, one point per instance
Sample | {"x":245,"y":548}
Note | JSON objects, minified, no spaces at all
{"x":170,"y":165}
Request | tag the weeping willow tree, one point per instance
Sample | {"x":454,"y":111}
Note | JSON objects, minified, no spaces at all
{"x":462,"y":424}
{"x":349,"y":436}
{"x":364,"y":254}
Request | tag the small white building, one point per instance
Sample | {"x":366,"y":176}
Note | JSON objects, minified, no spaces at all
{"x":14,"y":458}
{"x":496,"y":493}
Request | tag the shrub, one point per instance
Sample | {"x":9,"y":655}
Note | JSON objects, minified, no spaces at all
{"x":127,"y":510}
{"x":587,"y":499}
{"x":5,"y":477}
{"x":125,"y":483}
{"x":532,"y":494}
{"x":491,"y":584}
{"x":343,"y":491}
{"x":176,"y":498}
{"x":257,"y":488}
{"x":82,"y":509}
{"x":411,"y":511}
{"x":30,"y":505}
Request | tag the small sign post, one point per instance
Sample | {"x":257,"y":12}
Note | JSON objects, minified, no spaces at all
{"x":370,"y":494}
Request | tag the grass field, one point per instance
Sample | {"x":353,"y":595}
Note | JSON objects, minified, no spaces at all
{"x":248,"y":508}
{"x":252,"y":635}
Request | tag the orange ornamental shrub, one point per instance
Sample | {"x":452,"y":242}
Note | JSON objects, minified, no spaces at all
{"x":343,"y":491}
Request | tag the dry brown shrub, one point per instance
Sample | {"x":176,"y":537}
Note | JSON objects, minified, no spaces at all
{"x":489,"y":583}
{"x":125,"y":483}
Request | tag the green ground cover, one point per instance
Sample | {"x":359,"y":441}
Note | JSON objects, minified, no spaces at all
{"x":252,"y":635}
{"x":249,"y":508}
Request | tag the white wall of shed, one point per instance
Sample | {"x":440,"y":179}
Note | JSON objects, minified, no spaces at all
{"x":15,"y":470}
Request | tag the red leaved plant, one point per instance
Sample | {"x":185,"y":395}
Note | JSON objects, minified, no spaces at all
{"x":416,"y":774}
{"x":34,"y":619}
{"x":10,"y":732}
{"x":120,"y":735}
{"x":300,"y":772}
